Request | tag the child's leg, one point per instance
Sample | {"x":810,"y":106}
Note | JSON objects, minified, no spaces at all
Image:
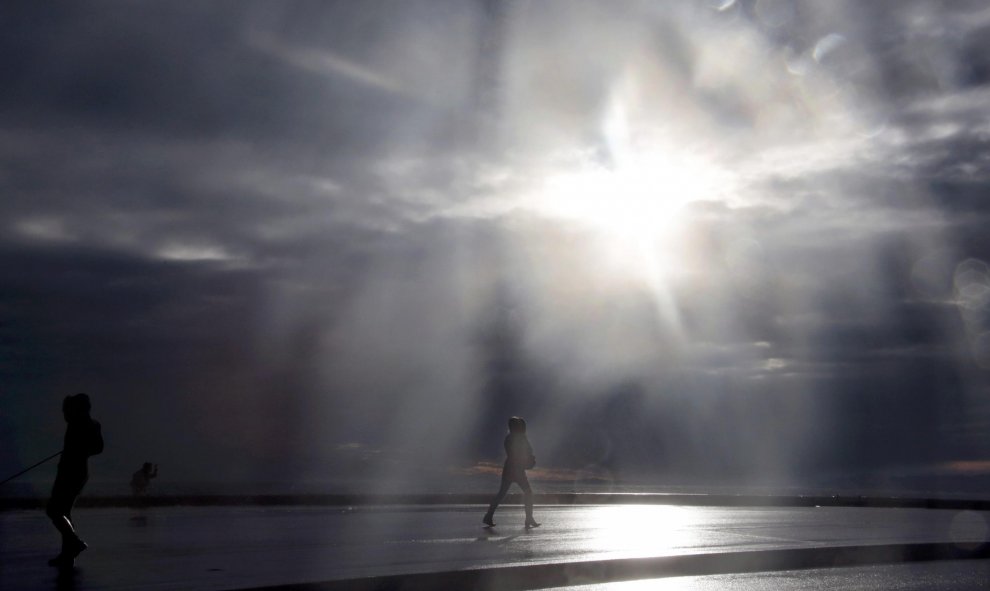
{"x":59,"y":510}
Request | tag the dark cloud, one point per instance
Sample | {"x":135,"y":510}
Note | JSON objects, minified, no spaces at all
{"x":334,"y":244}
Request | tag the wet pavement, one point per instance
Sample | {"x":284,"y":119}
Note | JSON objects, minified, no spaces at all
{"x":167,"y":548}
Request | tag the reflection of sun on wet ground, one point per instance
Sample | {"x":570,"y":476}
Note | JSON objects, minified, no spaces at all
{"x":665,"y":584}
{"x":642,"y":530}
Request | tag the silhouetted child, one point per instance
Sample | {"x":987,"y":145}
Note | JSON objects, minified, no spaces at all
{"x":142,"y":478}
{"x":519,"y":458}
{"x":83,"y":438}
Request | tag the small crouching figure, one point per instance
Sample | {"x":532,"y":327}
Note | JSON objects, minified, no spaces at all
{"x":142,"y":479}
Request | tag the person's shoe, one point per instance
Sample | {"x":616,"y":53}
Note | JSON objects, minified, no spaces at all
{"x":61,"y":561}
{"x":531,"y":523}
{"x":489,"y":520}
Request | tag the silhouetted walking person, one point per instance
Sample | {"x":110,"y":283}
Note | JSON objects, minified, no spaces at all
{"x":142,"y":478}
{"x":83,"y":438}
{"x":518,"y":458}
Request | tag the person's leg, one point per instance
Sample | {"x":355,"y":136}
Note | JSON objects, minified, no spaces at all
{"x":502,"y":490}
{"x":72,"y":544}
{"x":59,"y":510}
{"x":523,"y":483}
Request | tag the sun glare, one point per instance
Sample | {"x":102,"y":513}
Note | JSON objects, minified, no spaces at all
{"x":642,"y":530}
{"x":636,"y":208}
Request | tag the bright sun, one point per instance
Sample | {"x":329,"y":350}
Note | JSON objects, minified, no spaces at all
{"x":635,"y":208}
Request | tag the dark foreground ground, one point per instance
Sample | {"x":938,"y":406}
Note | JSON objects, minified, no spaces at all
{"x":594,"y":546}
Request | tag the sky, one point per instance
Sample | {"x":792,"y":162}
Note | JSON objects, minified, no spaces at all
{"x":335,"y":245}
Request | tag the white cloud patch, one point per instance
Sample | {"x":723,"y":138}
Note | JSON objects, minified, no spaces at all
{"x":192,"y":253}
{"x":44,"y":229}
